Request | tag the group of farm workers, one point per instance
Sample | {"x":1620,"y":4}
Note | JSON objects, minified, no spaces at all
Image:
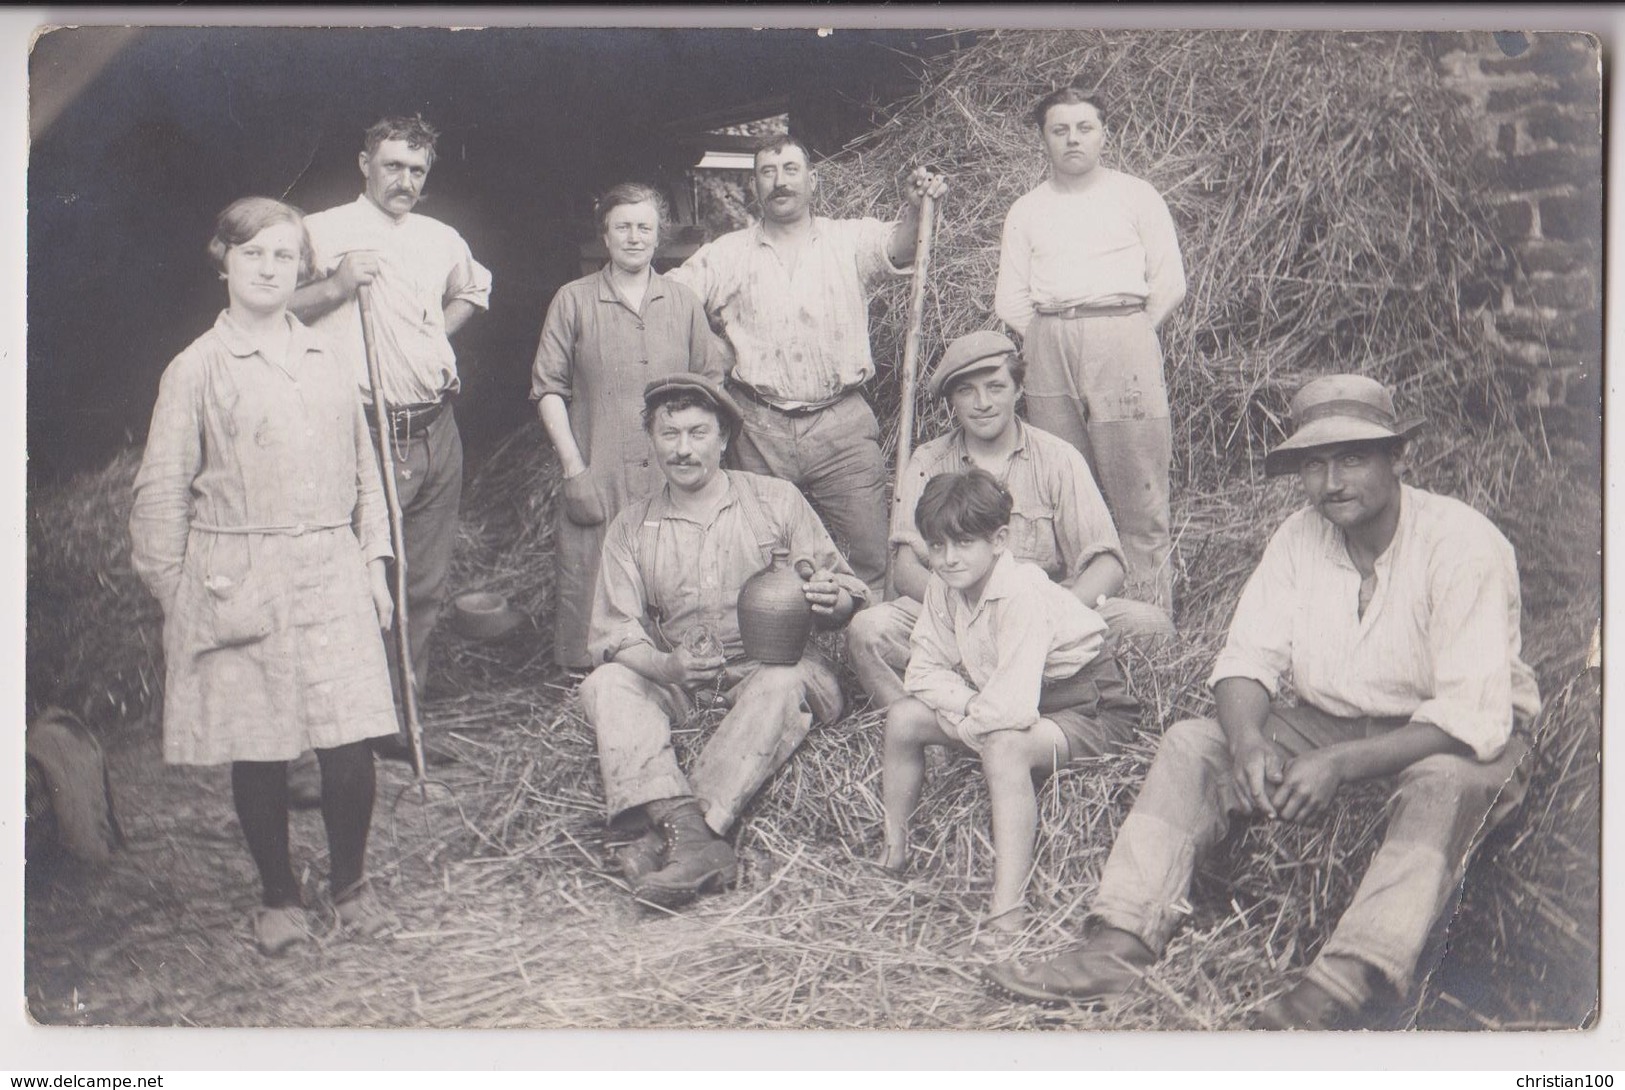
{"x":704,"y":418}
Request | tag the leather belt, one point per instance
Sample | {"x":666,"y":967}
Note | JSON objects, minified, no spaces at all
{"x":409,"y":421}
{"x":1084,"y":310}
{"x":750,"y":393}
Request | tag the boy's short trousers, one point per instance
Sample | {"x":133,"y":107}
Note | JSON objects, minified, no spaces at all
{"x":1093,"y":709}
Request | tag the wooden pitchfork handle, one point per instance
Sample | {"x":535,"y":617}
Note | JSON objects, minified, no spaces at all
{"x":911,"y":362}
{"x":397,"y":532}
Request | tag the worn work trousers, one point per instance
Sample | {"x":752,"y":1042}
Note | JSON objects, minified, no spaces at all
{"x":773,"y":709}
{"x":833,"y":456}
{"x":1441,"y":807}
{"x":429,"y":480}
{"x":877,"y":639}
{"x":1096,"y":381}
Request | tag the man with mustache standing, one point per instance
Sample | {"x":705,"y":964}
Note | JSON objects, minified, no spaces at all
{"x":425,"y":286}
{"x":665,"y":625}
{"x":1089,"y":267}
{"x":790,"y":297}
{"x":1395,"y":612}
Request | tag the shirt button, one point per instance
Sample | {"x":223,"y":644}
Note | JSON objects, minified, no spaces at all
{"x":321,"y":641}
{"x":644,"y":362}
{"x":309,"y":432}
{"x":646,"y":463}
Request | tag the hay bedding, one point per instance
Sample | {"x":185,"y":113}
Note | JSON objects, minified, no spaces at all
{"x":1323,"y":192}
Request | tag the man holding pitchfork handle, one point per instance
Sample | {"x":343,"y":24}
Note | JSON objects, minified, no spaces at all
{"x":424,"y":285}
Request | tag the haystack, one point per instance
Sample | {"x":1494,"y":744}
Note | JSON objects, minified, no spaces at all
{"x":1322,"y":186}
{"x":1324,"y":192}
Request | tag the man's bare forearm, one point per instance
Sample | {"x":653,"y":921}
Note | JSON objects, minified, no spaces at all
{"x":1243,"y":709}
{"x":318,"y":298}
{"x":458,"y":312}
{"x":1393,"y":752}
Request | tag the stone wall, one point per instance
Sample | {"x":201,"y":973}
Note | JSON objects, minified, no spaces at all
{"x":1535,"y":101}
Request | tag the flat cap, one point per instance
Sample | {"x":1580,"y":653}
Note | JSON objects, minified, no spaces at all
{"x":663,"y":389}
{"x":973,"y":352}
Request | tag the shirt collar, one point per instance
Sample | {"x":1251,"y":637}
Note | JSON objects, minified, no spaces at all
{"x":661,"y":506}
{"x":237,"y":343}
{"x":1335,"y":545}
{"x":957,"y":441}
{"x":759,"y":236}
{"x":606,"y":288}
{"x":379,"y":214}
{"x":1001,"y":582}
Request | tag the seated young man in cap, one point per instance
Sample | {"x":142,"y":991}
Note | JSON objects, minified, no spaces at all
{"x":1059,"y":522}
{"x":1396,"y":613}
{"x":665,"y":626}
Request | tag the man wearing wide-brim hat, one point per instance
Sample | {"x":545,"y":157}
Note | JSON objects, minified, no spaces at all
{"x":1395,"y":612}
{"x":665,"y":627}
{"x":1058,"y":520}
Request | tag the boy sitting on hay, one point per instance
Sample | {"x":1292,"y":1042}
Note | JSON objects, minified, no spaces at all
{"x":1396,"y":613}
{"x":1004,"y":664}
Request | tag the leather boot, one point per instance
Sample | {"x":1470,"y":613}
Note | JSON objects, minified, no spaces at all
{"x":1096,"y":973}
{"x":635,"y":845}
{"x":697,"y":860}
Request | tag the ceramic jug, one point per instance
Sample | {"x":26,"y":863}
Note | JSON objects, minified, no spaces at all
{"x":774,"y":616}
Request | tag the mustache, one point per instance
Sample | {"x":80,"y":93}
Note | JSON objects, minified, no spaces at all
{"x":781,"y":191}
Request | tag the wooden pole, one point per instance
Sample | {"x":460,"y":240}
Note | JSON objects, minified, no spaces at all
{"x":911,"y":361}
{"x":397,"y":531}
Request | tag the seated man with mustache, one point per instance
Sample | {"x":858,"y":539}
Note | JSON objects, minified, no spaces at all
{"x":665,"y":625}
{"x":1395,"y":612}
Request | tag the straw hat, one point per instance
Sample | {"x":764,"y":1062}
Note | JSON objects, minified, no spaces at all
{"x":977,"y":351}
{"x":1338,"y":409}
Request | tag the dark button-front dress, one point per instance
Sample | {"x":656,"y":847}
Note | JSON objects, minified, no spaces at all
{"x":598,"y":353}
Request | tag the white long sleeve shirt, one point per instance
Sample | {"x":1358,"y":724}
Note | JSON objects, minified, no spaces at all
{"x":1113,"y":243}
{"x":1439,"y":642}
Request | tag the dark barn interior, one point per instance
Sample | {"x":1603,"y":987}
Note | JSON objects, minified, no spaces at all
{"x":139,"y":137}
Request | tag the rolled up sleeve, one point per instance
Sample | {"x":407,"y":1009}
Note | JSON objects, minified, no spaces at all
{"x":932,"y":676}
{"x":1009,"y":700}
{"x":873,"y":247}
{"x":1082,"y":520}
{"x":1259,"y":644}
{"x":550,"y":370}
{"x":1468,"y":636}
{"x":618,"y":605}
{"x":468,"y":280}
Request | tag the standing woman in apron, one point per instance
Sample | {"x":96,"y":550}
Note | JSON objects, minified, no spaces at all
{"x":259,"y":524}
{"x":605,"y":338}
